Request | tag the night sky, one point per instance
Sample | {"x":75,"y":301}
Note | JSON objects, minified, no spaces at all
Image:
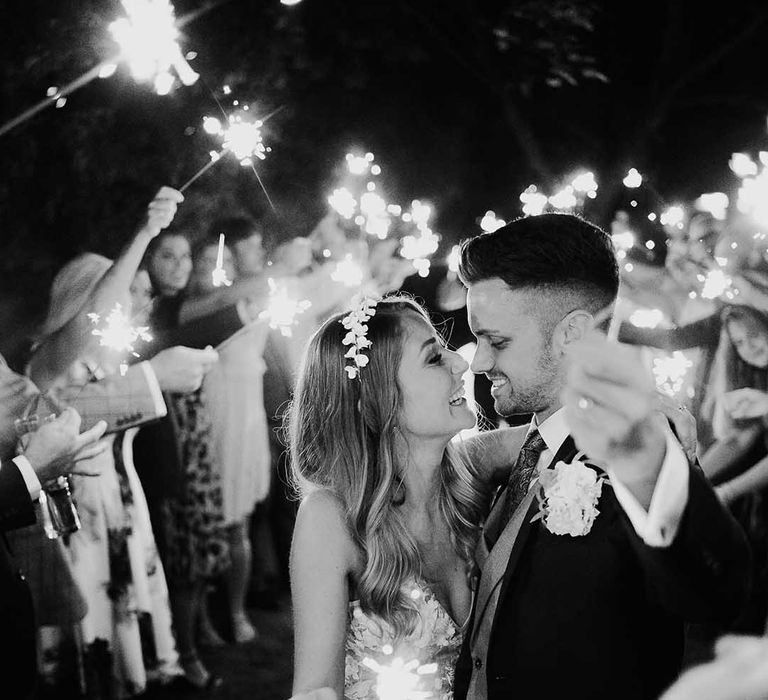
{"x":452,"y":97}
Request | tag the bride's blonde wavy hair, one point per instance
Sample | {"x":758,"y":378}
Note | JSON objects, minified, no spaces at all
{"x":343,"y":439}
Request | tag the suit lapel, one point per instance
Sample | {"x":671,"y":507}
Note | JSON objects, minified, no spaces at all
{"x":566,"y":452}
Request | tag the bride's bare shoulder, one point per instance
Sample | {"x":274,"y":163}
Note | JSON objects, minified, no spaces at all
{"x":321,"y":522}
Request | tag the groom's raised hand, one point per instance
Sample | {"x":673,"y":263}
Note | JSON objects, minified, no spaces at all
{"x":611,"y":408}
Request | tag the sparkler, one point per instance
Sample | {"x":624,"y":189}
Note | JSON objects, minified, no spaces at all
{"x":118,"y":334}
{"x":348,"y":272}
{"x":399,"y":680}
{"x":489,"y":223}
{"x":716,"y":284}
{"x":282,"y":310}
{"x":534,"y":202}
{"x":633,"y":179}
{"x":715,"y":203}
{"x":148,"y":38}
{"x":242,"y":138}
{"x":219,"y":274}
{"x":646,"y":318}
{"x":57,"y":96}
{"x":419,"y":248}
{"x":669,"y":372}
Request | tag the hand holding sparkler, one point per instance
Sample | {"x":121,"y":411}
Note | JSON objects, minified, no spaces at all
{"x":746,"y":404}
{"x":181,"y":370}
{"x":58,"y":444}
{"x":611,"y":408}
{"x":161,"y":210}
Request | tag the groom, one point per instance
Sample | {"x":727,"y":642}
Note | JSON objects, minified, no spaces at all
{"x":596,"y":613}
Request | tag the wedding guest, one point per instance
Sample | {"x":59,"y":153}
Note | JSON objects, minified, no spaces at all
{"x":188,"y":496}
{"x":50,"y":452}
{"x":234,"y":395}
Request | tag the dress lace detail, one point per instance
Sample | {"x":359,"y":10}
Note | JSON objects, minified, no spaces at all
{"x":429,"y":652}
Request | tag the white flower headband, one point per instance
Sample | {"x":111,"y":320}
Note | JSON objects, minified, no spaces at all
{"x":355,"y":322}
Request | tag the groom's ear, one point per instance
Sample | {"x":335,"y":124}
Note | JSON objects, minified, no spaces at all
{"x":573,"y":327}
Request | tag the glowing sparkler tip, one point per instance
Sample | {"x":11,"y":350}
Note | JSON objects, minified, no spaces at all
{"x":633,"y":179}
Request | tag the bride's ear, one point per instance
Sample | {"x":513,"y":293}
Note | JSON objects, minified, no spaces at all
{"x":573,"y":327}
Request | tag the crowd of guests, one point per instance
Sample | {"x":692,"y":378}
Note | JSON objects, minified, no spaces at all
{"x":187,"y":487}
{"x":175,"y":462}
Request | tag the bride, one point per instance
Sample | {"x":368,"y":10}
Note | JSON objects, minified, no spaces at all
{"x":382,"y":556}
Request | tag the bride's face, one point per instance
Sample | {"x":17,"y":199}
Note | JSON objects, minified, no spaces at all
{"x":431,"y":381}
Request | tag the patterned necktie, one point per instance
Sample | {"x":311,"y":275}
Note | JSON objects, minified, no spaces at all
{"x":519,"y":481}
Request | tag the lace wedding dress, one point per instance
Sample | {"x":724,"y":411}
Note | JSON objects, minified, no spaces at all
{"x":418,"y":667}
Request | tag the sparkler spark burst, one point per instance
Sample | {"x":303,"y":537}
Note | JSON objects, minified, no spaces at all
{"x":348,"y":272}
{"x":670,"y":372}
{"x":419,"y":248}
{"x":282,"y":310}
{"x":148,"y":39}
{"x":716,"y":283}
{"x":633,"y":179}
{"x":400,"y":680}
{"x":489,"y":223}
{"x":646,"y":318}
{"x":117,"y":333}
{"x":242,"y":137}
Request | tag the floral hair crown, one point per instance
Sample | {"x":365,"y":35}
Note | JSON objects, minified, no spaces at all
{"x":363,"y":307}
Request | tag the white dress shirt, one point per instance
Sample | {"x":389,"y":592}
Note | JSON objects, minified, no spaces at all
{"x":30,"y":478}
{"x":658,"y":525}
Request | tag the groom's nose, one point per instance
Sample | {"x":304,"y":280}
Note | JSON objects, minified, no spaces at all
{"x":482,"y":361}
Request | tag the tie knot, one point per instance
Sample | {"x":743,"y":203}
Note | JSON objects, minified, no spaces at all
{"x":534,"y":443}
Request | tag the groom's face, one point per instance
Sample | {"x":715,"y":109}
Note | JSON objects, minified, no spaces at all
{"x":514,"y":348}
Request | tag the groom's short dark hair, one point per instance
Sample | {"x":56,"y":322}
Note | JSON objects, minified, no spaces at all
{"x":546,"y":252}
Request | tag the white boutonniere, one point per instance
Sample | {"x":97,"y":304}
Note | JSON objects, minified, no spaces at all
{"x":568,"y":504}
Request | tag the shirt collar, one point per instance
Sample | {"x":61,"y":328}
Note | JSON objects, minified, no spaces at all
{"x":554,"y":430}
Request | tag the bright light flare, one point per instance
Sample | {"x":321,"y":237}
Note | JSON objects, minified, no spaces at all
{"x":669,"y":372}
{"x":673,"y":217}
{"x":343,"y":202}
{"x":282,"y":310}
{"x":117,"y":333}
{"x":715,"y":203}
{"x":742,"y":165}
{"x":564,"y":199}
{"x":348,"y":272}
{"x":148,"y":40}
{"x":400,"y":680}
{"x":752,"y":197}
{"x":646,"y":318}
{"x":534,"y":202}
{"x":624,"y":240}
{"x":490,"y":223}
{"x":716,"y":283}
{"x":453,"y":259}
{"x":359,"y":165}
{"x":584,"y":183}
{"x":633,"y":179}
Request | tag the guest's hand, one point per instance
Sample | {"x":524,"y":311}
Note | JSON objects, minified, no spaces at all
{"x":16,"y":392}
{"x":180,"y":369}
{"x":611,"y":409}
{"x":744,"y":404}
{"x":684,"y":422}
{"x":58,"y":445}
{"x":739,"y":672}
{"x":161,"y":210}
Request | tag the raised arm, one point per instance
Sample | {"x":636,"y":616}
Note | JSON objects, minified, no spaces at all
{"x":704,"y":332}
{"x":322,"y":559}
{"x":66,"y":345}
{"x":753,"y":479}
{"x":249,"y":288}
{"x":492,"y":453}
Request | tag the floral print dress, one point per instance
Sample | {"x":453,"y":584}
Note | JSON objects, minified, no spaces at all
{"x":420,"y":666}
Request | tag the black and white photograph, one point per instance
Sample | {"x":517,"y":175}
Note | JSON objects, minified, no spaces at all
{"x":383,"y":350}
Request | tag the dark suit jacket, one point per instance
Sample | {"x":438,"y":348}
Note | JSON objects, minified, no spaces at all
{"x":17,"y":621}
{"x":600,"y":617}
